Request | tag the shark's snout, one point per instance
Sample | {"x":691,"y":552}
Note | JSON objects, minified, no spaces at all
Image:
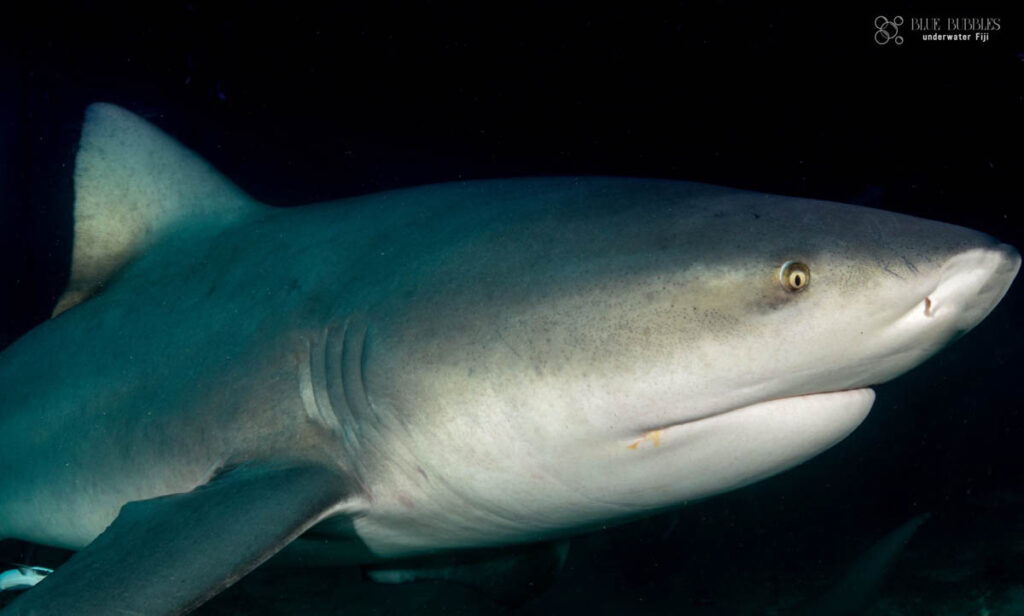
{"x":971,"y":283}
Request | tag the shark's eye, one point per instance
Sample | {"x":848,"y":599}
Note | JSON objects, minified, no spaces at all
{"x":794,"y":276}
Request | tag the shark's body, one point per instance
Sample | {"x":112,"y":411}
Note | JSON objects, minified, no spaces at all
{"x":456,"y":366}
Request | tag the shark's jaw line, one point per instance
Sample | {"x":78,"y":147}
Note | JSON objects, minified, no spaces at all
{"x":655,"y":434}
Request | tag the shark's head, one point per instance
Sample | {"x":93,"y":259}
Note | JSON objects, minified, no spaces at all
{"x":645,"y":343}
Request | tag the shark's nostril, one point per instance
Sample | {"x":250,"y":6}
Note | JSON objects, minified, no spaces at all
{"x":927,"y":306}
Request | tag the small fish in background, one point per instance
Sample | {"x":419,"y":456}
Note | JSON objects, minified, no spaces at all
{"x":22,"y":577}
{"x":444,"y":368}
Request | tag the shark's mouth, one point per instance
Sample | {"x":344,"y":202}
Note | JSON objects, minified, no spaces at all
{"x":821,"y":395}
{"x":838,"y":405}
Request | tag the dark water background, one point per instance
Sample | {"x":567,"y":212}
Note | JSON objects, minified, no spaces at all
{"x":303,"y":103}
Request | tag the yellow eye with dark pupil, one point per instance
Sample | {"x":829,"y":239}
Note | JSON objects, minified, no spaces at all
{"x":794,"y":276}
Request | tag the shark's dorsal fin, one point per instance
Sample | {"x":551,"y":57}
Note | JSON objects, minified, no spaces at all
{"x":133,"y":185}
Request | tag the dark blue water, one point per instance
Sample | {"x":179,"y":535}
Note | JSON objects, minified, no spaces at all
{"x":305,"y":105}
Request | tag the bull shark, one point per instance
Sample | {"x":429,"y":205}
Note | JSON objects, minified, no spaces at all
{"x":466,"y":365}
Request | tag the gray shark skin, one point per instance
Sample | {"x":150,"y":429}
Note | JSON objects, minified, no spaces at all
{"x":456,"y":366}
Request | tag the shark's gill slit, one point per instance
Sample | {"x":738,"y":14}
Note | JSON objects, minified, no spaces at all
{"x":334,"y":350}
{"x":312,"y":386}
{"x":305,"y":374}
{"x":352,"y":367}
{"x":339,"y":381}
{"x":318,"y":372}
{"x":362,"y":368}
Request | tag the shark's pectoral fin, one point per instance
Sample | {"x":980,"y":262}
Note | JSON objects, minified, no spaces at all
{"x":511,"y":576}
{"x":170,"y":554}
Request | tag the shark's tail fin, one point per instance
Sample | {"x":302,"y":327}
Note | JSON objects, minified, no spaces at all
{"x":133,"y":185}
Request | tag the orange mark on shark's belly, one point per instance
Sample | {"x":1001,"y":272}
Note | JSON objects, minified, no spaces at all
{"x":653,"y":438}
